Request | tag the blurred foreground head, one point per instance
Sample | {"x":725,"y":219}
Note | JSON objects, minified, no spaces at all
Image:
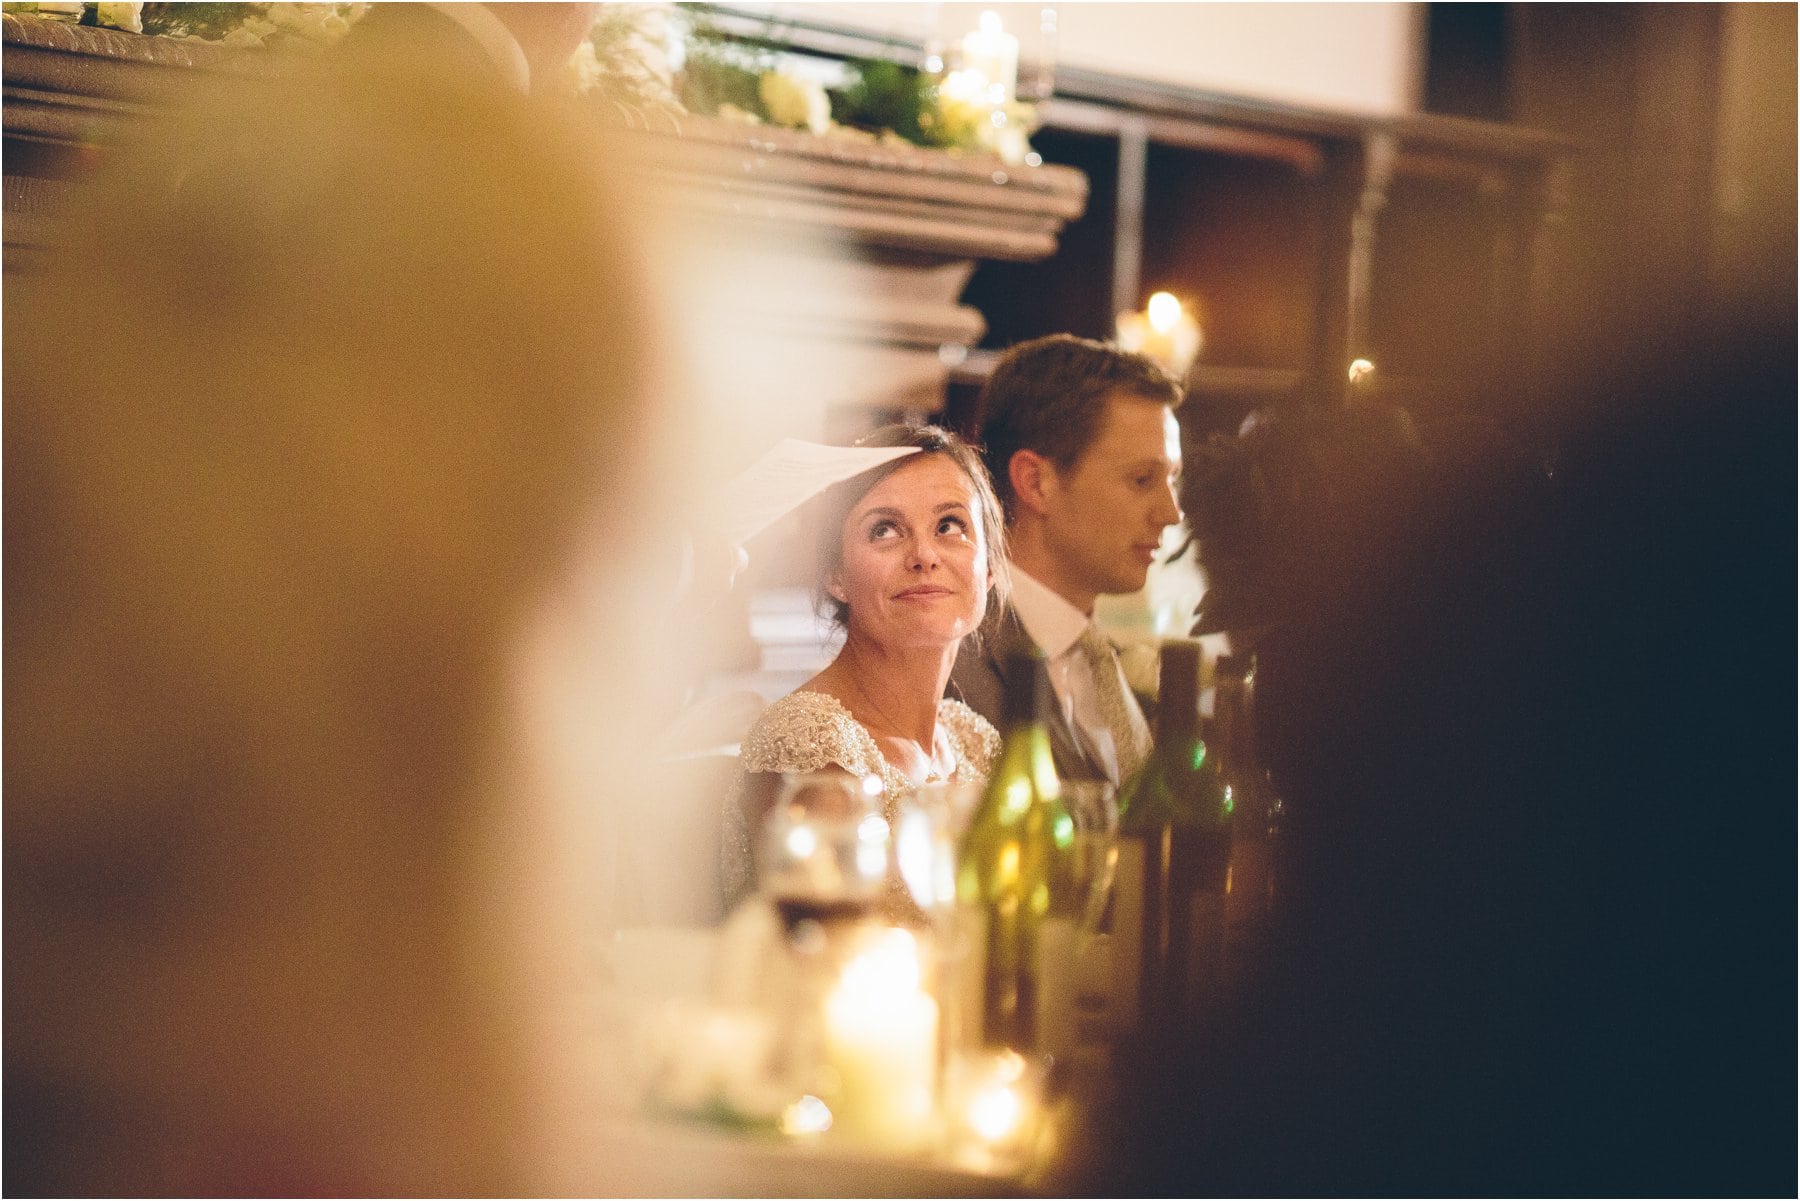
{"x":328,"y":470}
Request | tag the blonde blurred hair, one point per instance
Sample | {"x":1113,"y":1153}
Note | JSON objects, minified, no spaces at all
{"x":330,"y":389}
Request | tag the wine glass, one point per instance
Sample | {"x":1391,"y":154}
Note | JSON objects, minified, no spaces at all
{"x":929,"y":827}
{"x":1094,"y":807}
{"x":824,"y":849}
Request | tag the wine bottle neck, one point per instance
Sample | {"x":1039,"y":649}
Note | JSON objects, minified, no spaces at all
{"x":1178,"y":703}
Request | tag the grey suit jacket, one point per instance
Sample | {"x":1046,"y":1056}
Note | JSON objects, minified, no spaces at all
{"x":976,"y":679}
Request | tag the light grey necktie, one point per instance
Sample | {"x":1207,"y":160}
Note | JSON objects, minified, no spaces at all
{"x":1130,"y":736}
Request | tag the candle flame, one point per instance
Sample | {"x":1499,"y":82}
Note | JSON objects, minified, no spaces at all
{"x":1359,"y":369}
{"x":1009,"y":1066}
{"x":808,"y":1115}
{"x":994,"y":1112}
{"x":802,"y":842}
{"x":1164,"y":311}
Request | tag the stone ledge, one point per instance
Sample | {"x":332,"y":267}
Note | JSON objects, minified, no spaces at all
{"x":909,"y":223}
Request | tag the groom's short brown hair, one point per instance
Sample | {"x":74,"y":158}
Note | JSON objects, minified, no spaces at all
{"x":1047,"y":395}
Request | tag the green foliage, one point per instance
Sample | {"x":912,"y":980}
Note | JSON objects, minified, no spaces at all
{"x":210,"y":21}
{"x":721,"y":70}
{"x":886,"y":95}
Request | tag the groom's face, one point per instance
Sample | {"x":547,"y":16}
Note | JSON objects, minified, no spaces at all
{"x":1105,"y":514}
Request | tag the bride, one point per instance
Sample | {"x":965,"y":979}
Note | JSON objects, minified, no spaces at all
{"x":909,"y":554}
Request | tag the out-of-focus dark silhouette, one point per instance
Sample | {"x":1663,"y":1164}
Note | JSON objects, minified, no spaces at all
{"x":1534,"y":729}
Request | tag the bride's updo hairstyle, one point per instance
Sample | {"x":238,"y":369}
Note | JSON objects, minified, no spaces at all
{"x":835,"y":503}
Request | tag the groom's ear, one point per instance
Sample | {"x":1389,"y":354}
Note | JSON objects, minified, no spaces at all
{"x":1031,"y":476}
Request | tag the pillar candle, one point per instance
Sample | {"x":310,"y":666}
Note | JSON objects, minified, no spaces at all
{"x":993,"y":52}
{"x":881,"y":1033}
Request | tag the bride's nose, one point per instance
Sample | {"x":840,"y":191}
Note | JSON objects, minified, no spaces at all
{"x":924,"y":555}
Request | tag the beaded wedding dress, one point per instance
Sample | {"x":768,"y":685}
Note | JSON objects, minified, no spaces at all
{"x":811,"y":731}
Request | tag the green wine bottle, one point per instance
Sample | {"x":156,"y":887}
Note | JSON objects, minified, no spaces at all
{"x":1016,"y":881}
{"x":1256,"y":811}
{"x":1175,"y":820}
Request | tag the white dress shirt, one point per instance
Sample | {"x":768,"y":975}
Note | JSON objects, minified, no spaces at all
{"x":1056,"y":626}
{"x":494,"y":38}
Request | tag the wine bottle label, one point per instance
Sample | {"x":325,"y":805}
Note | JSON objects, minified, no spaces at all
{"x":1057,"y":981}
{"x":1127,"y":935}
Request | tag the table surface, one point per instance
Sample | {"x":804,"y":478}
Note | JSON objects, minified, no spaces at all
{"x":697,"y":1160}
{"x":669,"y":1156}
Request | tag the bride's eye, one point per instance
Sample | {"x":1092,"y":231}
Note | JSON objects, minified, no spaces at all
{"x":948,"y":524}
{"x":882,"y":529}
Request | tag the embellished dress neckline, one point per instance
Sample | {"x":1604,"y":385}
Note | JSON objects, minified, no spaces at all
{"x":813,"y":731}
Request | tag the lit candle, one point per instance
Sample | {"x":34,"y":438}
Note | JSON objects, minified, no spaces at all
{"x":881,"y":1040}
{"x":1165,"y":331}
{"x":994,"y":54}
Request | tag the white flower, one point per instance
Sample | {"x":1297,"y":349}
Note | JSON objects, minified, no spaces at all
{"x":314,"y":22}
{"x":792,"y":101}
{"x":289,"y":16}
{"x":126,"y":16}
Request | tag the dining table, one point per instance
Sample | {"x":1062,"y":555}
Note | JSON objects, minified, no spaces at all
{"x":653,"y":1149}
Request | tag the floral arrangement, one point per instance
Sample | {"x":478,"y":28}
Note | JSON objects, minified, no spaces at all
{"x":746,"y":81}
{"x":627,"y":60}
{"x":246,"y":24}
{"x":277,"y":26}
{"x":644,"y":59}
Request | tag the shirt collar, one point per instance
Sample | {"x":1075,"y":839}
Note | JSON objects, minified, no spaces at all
{"x":494,"y":38}
{"x":1053,"y":623}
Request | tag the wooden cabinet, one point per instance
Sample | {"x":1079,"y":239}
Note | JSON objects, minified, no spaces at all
{"x":1303,"y":240}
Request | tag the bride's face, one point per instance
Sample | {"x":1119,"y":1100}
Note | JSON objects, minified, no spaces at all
{"x":915,"y":567}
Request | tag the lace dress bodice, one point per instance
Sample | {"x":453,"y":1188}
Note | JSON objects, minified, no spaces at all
{"x":811,"y":731}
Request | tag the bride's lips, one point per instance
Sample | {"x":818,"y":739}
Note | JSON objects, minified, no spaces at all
{"x":922,"y":592}
{"x":1146,"y":552}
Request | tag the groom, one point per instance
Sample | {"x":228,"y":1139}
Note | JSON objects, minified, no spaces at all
{"x":1081,"y":441}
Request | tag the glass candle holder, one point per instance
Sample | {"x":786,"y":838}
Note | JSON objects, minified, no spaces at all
{"x":993,"y":1109}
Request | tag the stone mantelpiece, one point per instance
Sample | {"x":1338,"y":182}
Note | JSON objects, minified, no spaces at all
{"x":891,"y":232}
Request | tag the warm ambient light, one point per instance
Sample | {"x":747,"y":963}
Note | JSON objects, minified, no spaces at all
{"x":1165,"y":331}
{"x":991,"y":53}
{"x":881,"y":1031}
{"x":1164,"y":312}
{"x":808,"y":1115}
{"x":994,"y":1110}
{"x":1360,"y":369}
